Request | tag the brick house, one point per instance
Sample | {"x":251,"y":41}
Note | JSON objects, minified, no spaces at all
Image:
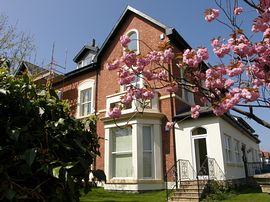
{"x":138,"y":157}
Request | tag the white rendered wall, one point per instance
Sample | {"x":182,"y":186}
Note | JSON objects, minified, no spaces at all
{"x":235,"y":169}
{"x":216,"y":128}
{"x":185,"y":142}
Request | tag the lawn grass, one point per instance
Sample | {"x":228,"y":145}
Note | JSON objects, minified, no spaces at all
{"x":252,"y":197}
{"x":245,"y":194}
{"x":98,"y":195}
{"x":242,"y":194}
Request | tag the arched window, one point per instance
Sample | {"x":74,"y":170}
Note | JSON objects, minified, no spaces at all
{"x":134,"y":43}
{"x":199,"y":131}
{"x":85,"y":105}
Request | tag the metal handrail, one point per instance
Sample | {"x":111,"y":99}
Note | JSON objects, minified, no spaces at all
{"x":181,"y":170}
{"x":184,"y":170}
{"x":173,"y":169}
{"x":211,"y":170}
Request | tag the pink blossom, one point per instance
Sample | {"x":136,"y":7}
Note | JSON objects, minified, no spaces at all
{"x":228,"y":83}
{"x":168,"y":55}
{"x":147,"y":94}
{"x":114,"y":65}
{"x":148,"y":74}
{"x":169,"y":125}
{"x":129,"y":58}
{"x":127,"y":99}
{"x":221,"y":51}
{"x":163,"y":75}
{"x":154,"y":56}
{"x":266,"y":33}
{"x":211,"y":14}
{"x":142,"y":62}
{"x":238,"y":10}
{"x":114,"y":113}
{"x":190,"y":58}
{"x":172,"y":88}
{"x":202,"y":53}
{"x":195,"y":111}
{"x":124,"y":40}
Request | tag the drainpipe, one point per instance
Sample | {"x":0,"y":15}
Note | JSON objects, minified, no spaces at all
{"x":96,"y":99}
{"x":173,"y":131}
{"x":244,"y":158}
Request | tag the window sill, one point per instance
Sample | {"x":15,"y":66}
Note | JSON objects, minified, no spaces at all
{"x":86,"y":116}
{"x":129,"y":180}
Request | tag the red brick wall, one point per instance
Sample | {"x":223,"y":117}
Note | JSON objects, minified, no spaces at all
{"x":150,"y":34}
{"x":69,"y":88}
{"x":107,"y":83}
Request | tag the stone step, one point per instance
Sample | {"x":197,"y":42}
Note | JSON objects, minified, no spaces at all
{"x":187,"y":194}
{"x":182,"y":198}
{"x":190,"y":187}
{"x":187,"y":189}
{"x":193,"y":182}
{"x":188,"y":200}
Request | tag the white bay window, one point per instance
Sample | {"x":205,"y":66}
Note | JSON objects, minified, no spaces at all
{"x":147,"y":152}
{"x":122,"y":152}
{"x":133,"y":152}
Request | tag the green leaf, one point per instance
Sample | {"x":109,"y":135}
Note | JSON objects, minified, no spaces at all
{"x":14,"y":135}
{"x":29,"y":156}
{"x":56,"y":171}
{"x":10,"y":194}
{"x":3,"y":91}
{"x":60,"y":121}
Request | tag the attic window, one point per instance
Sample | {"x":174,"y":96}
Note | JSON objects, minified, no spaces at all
{"x":134,"y":43}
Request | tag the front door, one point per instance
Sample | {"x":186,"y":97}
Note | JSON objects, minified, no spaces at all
{"x":200,"y":154}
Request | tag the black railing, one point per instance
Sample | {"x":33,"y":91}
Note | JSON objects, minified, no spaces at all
{"x":254,"y":168}
{"x":209,"y":170}
{"x":171,"y":180}
{"x":183,"y":170}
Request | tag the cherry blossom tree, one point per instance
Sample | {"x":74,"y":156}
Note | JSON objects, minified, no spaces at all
{"x":239,"y":82}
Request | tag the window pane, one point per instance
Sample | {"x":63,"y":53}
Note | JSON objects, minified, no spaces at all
{"x":147,"y":164}
{"x":133,"y":43}
{"x":122,"y":165}
{"x":147,"y":152}
{"x":121,"y":139}
{"x":147,"y":138}
{"x":85,"y":102}
{"x":199,"y":131}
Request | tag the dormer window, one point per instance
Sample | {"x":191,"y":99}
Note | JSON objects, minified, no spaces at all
{"x":134,"y":43}
{"x":80,"y":64}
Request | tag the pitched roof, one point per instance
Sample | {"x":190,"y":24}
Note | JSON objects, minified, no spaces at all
{"x":32,"y":69}
{"x":236,"y":121}
{"x":84,"y":49}
{"x":171,"y":33}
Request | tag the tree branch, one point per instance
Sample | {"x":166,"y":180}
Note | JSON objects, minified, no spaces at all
{"x":253,"y":117}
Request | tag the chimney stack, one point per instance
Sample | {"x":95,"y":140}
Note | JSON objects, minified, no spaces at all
{"x":94,"y":43}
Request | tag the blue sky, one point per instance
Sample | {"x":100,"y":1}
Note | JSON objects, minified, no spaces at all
{"x":70,"y":24}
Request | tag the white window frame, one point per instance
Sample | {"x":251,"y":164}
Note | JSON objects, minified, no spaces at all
{"x":88,"y":84}
{"x":187,"y":96}
{"x":149,"y":151}
{"x":228,"y":148}
{"x":128,"y":33}
{"x":237,"y":151}
{"x":139,"y":83}
{"x":115,"y":153}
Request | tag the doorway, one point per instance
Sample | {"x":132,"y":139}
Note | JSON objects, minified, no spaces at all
{"x":200,"y":156}
{"x":199,"y":135}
